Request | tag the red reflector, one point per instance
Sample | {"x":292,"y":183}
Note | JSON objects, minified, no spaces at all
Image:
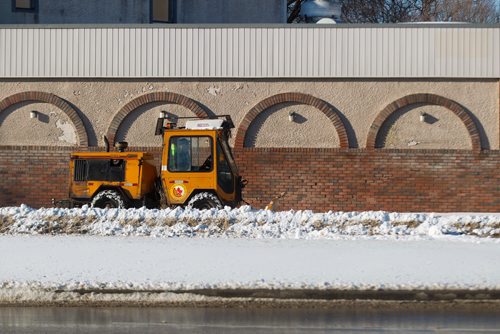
{"x":91,"y":183}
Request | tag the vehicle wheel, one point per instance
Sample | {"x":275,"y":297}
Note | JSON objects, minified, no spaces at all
{"x":108,"y":199}
{"x":204,"y":201}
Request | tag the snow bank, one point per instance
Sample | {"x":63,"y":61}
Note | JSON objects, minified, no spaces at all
{"x":243,"y":222}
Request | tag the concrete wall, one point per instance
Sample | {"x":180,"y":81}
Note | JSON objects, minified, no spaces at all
{"x":78,"y":11}
{"x":357,"y":102}
{"x":231,"y":11}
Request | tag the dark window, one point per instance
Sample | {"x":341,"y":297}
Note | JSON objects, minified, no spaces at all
{"x":24,"y":5}
{"x":100,"y":170}
{"x":225,"y":178}
{"x":161,"y":11}
{"x":116,"y":170}
{"x":190,"y":154}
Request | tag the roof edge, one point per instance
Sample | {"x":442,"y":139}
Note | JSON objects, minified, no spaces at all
{"x":275,"y":26}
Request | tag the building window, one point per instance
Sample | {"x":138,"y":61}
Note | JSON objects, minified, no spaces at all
{"x":24,"y":5}
{"x":161,"y":10}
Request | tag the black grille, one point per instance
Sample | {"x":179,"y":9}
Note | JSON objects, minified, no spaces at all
{"x":80,"y":170}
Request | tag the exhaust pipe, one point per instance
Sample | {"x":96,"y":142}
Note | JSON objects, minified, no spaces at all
{"x":106,"y":143}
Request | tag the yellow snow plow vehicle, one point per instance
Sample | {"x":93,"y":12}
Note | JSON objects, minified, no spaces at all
{"x":197,"y":170}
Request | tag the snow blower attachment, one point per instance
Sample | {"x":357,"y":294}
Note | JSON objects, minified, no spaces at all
{"x":197,"y":170}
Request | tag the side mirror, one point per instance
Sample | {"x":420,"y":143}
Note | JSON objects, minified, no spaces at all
{"x":159,"y":127}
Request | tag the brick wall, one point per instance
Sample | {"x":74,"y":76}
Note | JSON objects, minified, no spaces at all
{"x":33,"y":175}
{"x":358,"y":179}
{"x":317,"y":179}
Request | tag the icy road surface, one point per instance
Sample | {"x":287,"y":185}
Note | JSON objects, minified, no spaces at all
{"x":90,"y":262}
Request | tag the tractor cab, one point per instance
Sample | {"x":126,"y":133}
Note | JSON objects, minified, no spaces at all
{"x":197,"y":165}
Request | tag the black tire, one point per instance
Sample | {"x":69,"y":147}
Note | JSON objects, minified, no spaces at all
{"x":108,"y":199}
{"x":204,"y":201}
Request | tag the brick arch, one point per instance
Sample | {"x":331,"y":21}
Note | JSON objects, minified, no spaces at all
{"x":150,"y":98}
{"x":432,"y":99}
{"x":54,"y":100}
{"x":307,"y":99}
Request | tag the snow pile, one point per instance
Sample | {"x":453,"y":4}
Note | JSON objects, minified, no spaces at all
{"x":243,"y":222}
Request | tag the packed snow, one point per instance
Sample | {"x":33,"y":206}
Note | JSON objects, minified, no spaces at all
{"x":244,"y":222}
{"x":68,"y":263}
{"x":54,"y":254}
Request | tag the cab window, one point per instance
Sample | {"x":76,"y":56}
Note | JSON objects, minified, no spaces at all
{"x":190,"y":154}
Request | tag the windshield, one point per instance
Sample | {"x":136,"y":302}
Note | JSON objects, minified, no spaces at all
{"x":190,"y":154}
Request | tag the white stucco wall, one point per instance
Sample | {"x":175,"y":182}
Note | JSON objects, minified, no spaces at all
{"x":50,"y":127}
{"x":439,"y":128}
{"x":359,"y":101}
{"x":138,"y":127}
{"x":310,"y":128}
